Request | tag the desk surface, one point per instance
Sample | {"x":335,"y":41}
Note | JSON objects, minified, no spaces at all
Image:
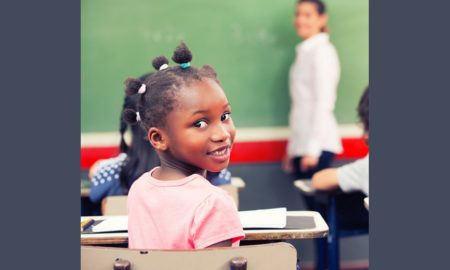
{"x":85,"y":185}
{"x":320,"y":230}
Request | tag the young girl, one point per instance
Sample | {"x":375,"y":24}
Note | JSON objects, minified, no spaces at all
{"x":187,"y":119}
{"x":114,"y":176}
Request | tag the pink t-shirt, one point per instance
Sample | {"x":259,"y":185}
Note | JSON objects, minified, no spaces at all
{"x":189,"y":213}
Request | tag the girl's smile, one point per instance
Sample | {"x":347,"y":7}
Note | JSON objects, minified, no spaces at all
{"x":221,"y":154}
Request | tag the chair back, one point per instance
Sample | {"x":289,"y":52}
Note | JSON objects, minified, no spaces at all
{"x":114,"y":206}
{"x":233,"y":191}
{"x":279,"y":256}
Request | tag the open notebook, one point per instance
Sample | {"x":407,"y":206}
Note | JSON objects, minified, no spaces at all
{"x":274,"y":218}
{"x":264,"y":218}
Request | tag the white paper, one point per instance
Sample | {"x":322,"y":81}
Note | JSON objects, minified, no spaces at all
{"x":112,"y":224}
{"x":264,"y":218}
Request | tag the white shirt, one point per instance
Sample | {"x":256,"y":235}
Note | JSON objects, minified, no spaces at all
{"x":355,"y":176}
{"x":313,"y":82}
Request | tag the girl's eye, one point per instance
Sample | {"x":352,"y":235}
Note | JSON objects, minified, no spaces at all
{"x":225,"y":116}
{"x":200,"y":124}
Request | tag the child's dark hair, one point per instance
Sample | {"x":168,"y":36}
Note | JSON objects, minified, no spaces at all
{"x":320,"y":7}
{"x":141,"y":156}
{"x":159,"y":91}
{"x":363,"y":109}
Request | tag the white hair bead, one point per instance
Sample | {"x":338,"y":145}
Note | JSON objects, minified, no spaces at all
{"x":138,"y":117}
{"x":142,"y":89}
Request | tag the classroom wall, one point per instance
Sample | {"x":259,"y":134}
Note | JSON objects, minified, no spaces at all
{"x":250,"y":43}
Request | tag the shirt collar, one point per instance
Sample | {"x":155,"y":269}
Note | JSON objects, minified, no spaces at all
{"x":313,"y":41}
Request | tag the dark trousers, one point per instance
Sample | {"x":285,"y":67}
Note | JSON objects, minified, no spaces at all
{"x":325,"y":160}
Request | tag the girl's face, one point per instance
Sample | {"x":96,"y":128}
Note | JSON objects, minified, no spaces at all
{"x":308,"y":21}
{"x":199,"y":130}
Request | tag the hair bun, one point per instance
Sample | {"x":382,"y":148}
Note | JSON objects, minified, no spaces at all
{"x":182,"y":54}
{"x":132,"y":86}
{"x":130,"y":116}
{"x":159,"y":61}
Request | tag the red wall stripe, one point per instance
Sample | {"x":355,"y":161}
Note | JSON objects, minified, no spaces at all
{"x":243,"y":152}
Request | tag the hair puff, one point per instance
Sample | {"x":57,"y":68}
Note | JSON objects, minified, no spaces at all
{"x":159,"y":61}
{"x":132,"y":86}
{"x":130,"y":116}
{"x":182,"y":54}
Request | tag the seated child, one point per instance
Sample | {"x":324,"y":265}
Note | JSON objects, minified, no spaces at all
{"x":114,"y":176}
{"x":353,"y":176}
{"x":186,"y":115}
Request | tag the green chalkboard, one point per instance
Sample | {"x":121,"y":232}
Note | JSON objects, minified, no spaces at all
{"x":250,"y":43}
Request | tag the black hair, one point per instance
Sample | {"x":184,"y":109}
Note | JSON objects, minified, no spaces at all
{"x":320,"y":7}
{"x":363,"y":109}
{"x":141,"y":157}
{"x":161,"y":88}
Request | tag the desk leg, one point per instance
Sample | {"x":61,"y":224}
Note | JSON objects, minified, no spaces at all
{"x":333,"y":237}
{"x":321,"y":245}
{"x":321,"y":253}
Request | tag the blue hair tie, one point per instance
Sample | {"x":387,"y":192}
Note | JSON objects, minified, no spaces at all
{"x":185,"y":65}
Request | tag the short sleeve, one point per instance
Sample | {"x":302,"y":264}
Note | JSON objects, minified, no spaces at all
{"x":216,"y":219}
{"x":354,"y":176}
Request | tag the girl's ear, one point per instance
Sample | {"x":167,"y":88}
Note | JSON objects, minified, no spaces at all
{"x":158,"y":139}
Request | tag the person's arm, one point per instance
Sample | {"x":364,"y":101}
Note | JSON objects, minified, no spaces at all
{"x":226,"y":243}
{"x":94,"y":168}
{"x":216,"y":222}
{"x":325,"y":179}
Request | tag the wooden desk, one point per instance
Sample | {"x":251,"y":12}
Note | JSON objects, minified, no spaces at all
{"x":86,"y":184}
{"x":320,"y":230}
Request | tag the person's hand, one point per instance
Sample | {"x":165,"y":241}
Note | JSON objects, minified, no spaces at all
{"x":287,"y":164}
{"x":308,"y":162}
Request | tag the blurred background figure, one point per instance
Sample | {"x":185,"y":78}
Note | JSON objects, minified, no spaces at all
{"x":313,"y":80}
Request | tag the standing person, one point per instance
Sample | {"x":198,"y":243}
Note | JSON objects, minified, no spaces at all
{"x":313,"y":82}
{"x":187,"y":118}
